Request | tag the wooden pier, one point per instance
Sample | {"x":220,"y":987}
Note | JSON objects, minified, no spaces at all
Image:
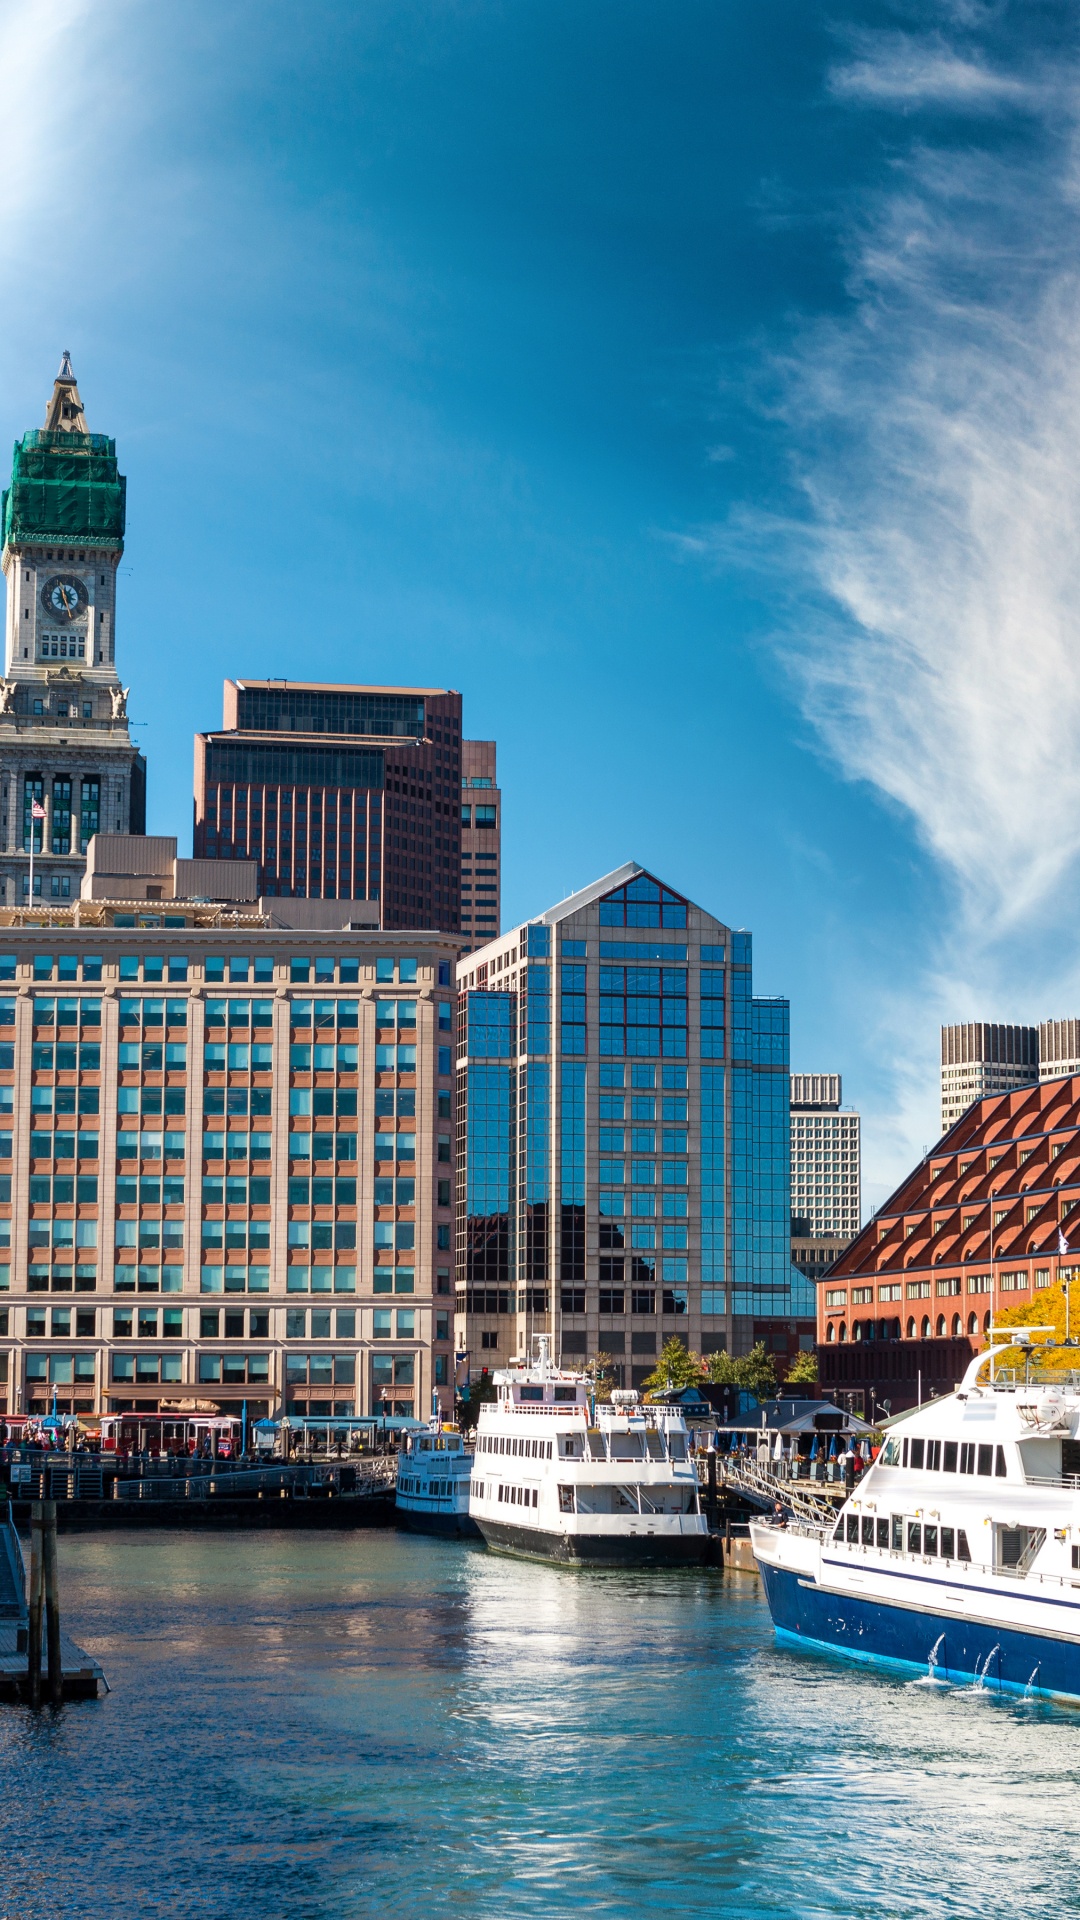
{"x":36,"y":1666}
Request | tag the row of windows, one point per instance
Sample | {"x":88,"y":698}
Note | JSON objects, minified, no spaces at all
{"x":948,"y":1543}
{"x":236,"y":968}
{"x":944,"y":1456}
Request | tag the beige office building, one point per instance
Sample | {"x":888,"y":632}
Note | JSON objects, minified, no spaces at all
{"x":980,"y":1057}
{"x":226,"y":1150}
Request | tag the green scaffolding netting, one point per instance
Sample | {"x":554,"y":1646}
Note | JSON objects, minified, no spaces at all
{"x":64,"y":487}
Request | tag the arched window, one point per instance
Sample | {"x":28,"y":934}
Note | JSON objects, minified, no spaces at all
{"x":896,"y":1329}
{"x":856,"y":1329}
{"x":941,"y":1326}
{"x":926,"y":1326}
{"x":986,"y":1321}
{"x":911,"y":1329}
{"x":956,"y":1328}
{"x":843,"y":1331}
{"x":973,"y":1323}
{"x":830,"y":1332}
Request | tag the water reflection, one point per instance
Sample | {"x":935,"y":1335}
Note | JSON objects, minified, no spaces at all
{"x":353,"y":1726}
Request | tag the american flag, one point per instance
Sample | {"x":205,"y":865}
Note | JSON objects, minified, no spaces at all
{"x":37,"y":810}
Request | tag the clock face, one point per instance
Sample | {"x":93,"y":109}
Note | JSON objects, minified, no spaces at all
{"x":63,"y":597}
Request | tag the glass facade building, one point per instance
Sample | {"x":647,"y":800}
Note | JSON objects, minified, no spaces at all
{"x":622,"y":1134}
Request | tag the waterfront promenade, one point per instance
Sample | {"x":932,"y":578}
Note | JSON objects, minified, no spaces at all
{"x":340,"y":1727}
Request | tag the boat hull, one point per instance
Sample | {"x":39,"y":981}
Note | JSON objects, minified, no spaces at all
{"x":596,"y":1549}
{"x":1001,"y":1659}
{"x":450,"y":1525}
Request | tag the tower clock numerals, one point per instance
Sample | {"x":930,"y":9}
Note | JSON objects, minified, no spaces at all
{"x":64,"y":597}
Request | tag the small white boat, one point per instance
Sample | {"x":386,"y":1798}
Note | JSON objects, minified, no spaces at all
{"x":559,"y":1476}
{"x":433,"y":1483}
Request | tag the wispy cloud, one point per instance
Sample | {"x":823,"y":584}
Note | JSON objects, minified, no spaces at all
{"x":905,"y":70}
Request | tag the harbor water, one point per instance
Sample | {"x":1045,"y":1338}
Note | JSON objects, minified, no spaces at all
{"x":339,"y":1727}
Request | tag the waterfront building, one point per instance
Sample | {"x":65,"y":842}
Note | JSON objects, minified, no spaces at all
{"x":622,"y":1135}
{"x":68,"y":766}
{"x":226,"y":1148}
{"x":481,"y":837}
{"x":339,"y":792}
{"x":826,"y":1195}
{"x":980,"y":1057}
{"x":973,"y":1228}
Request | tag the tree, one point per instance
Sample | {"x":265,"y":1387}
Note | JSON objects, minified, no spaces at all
{"x":804,"y":1372}
{"x":470,"y":1403}
{"x":676,"y":1367}
{"x":754,"y":1371}
{"x":601,"y":1370}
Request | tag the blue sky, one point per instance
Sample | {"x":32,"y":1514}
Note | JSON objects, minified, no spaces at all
{"x":693,"y":385}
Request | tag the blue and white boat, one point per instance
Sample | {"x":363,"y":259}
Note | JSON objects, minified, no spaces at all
{"x":958,"y":1554}
{"x":434,"y":1470}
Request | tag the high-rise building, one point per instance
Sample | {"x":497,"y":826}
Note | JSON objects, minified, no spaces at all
{"x":979,"y":1057}
{"x":1059,"y":1048}
{"x":826,"y":1198}
{"x":622,"y":1128}
{"x":481,"y":836}
{"x":68,"y":766}
{"x":226,"y":1150}
{"x":338,"y":792}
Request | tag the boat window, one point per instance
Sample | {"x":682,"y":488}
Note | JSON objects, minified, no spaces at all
{"x":890,"y":1454}
{"x":963,"y":1551}
{"x":898,"y":1533}
{"x":918,"y":1450}
{"x":1000,"y":1469}
{"x":530,"y":1393}
{"x":967,"y":1456}
{"x":929,"y":1540}
{"x":867,"y":1530}
{"x":948,"y":1543}
{"x":883,"y":1533}
{"x":566,"y":1499}
{"x":905,"y":1452}
{"x":838,"y":1535}
{"x":914,"y":1537}
{"x":563,"y":1394}
{"x":933,"y":1456}
{"x":949,"y":1462}
{"x":853,"y":1526}
{"x":986,"y":1459}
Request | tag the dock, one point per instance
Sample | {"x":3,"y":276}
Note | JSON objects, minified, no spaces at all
{"x":100,"y":1492}
{"x":77,"y":1674}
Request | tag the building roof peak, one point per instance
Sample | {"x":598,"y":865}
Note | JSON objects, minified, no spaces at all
{"x":64,"y":413}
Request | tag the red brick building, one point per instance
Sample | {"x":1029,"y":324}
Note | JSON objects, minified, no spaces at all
{"x":973,"y":1230}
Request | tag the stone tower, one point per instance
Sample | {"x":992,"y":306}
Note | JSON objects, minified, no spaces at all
{"x":64,"y":739}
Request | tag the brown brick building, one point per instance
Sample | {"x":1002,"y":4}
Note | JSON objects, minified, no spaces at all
{"x":975,"y":1228}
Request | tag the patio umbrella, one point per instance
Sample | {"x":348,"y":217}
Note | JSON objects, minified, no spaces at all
{"x":813,"y":1448}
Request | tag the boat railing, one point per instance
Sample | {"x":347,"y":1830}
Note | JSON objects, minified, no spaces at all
{"x":1070,"y":1482}
{"x":959,"y":1571}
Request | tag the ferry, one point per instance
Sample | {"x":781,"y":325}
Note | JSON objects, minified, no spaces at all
{"x":958,"y":1555}
{"x":558,"y":1476}
{"x":434,"y":1470}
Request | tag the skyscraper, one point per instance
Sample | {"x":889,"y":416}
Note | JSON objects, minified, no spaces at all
{"x":338,"y":792}
{"x":622,"y":1124}
{"x":481,"y":837}
{"x":68,"y":766}
{"x":826,"y":1195}
{"x":979,"y":1057}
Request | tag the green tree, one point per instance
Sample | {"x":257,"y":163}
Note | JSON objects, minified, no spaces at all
{"x":754,"y":1371}
{"x":601,"y":1371}
{"x":676,"y":1367}
{"x":804,"y":1372}
{"x":470,"y":1403}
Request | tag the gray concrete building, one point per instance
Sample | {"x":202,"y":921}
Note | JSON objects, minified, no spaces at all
{"x":980,"y":1057}
{"x":68,"y":765}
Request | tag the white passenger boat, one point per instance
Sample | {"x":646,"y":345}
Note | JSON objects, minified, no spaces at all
{"x":558,"y":1476}
{"x":958,"y":1555}
{"x":433,"y":1483}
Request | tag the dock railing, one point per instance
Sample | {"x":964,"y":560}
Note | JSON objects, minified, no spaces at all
{"x":763,"y":1486}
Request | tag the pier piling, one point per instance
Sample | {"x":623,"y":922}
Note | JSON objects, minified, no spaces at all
{"x":37,"y":1589}
{"x":52,"y":1603}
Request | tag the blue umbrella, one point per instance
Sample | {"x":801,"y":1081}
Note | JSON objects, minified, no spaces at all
{"x":813,"y":1448}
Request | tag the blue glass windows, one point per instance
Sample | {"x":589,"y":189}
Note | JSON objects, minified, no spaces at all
{"x":643,"y":902}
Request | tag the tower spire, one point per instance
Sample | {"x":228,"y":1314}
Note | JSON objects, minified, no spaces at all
{"x":64,"y":413}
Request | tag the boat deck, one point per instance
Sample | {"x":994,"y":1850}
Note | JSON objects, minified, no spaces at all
{"x":84,"y":1679}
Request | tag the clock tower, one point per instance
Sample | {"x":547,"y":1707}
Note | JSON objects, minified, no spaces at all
{"x":64,"y":738}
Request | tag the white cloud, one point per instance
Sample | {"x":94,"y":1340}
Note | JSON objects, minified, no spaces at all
{"x":904,"y":70}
